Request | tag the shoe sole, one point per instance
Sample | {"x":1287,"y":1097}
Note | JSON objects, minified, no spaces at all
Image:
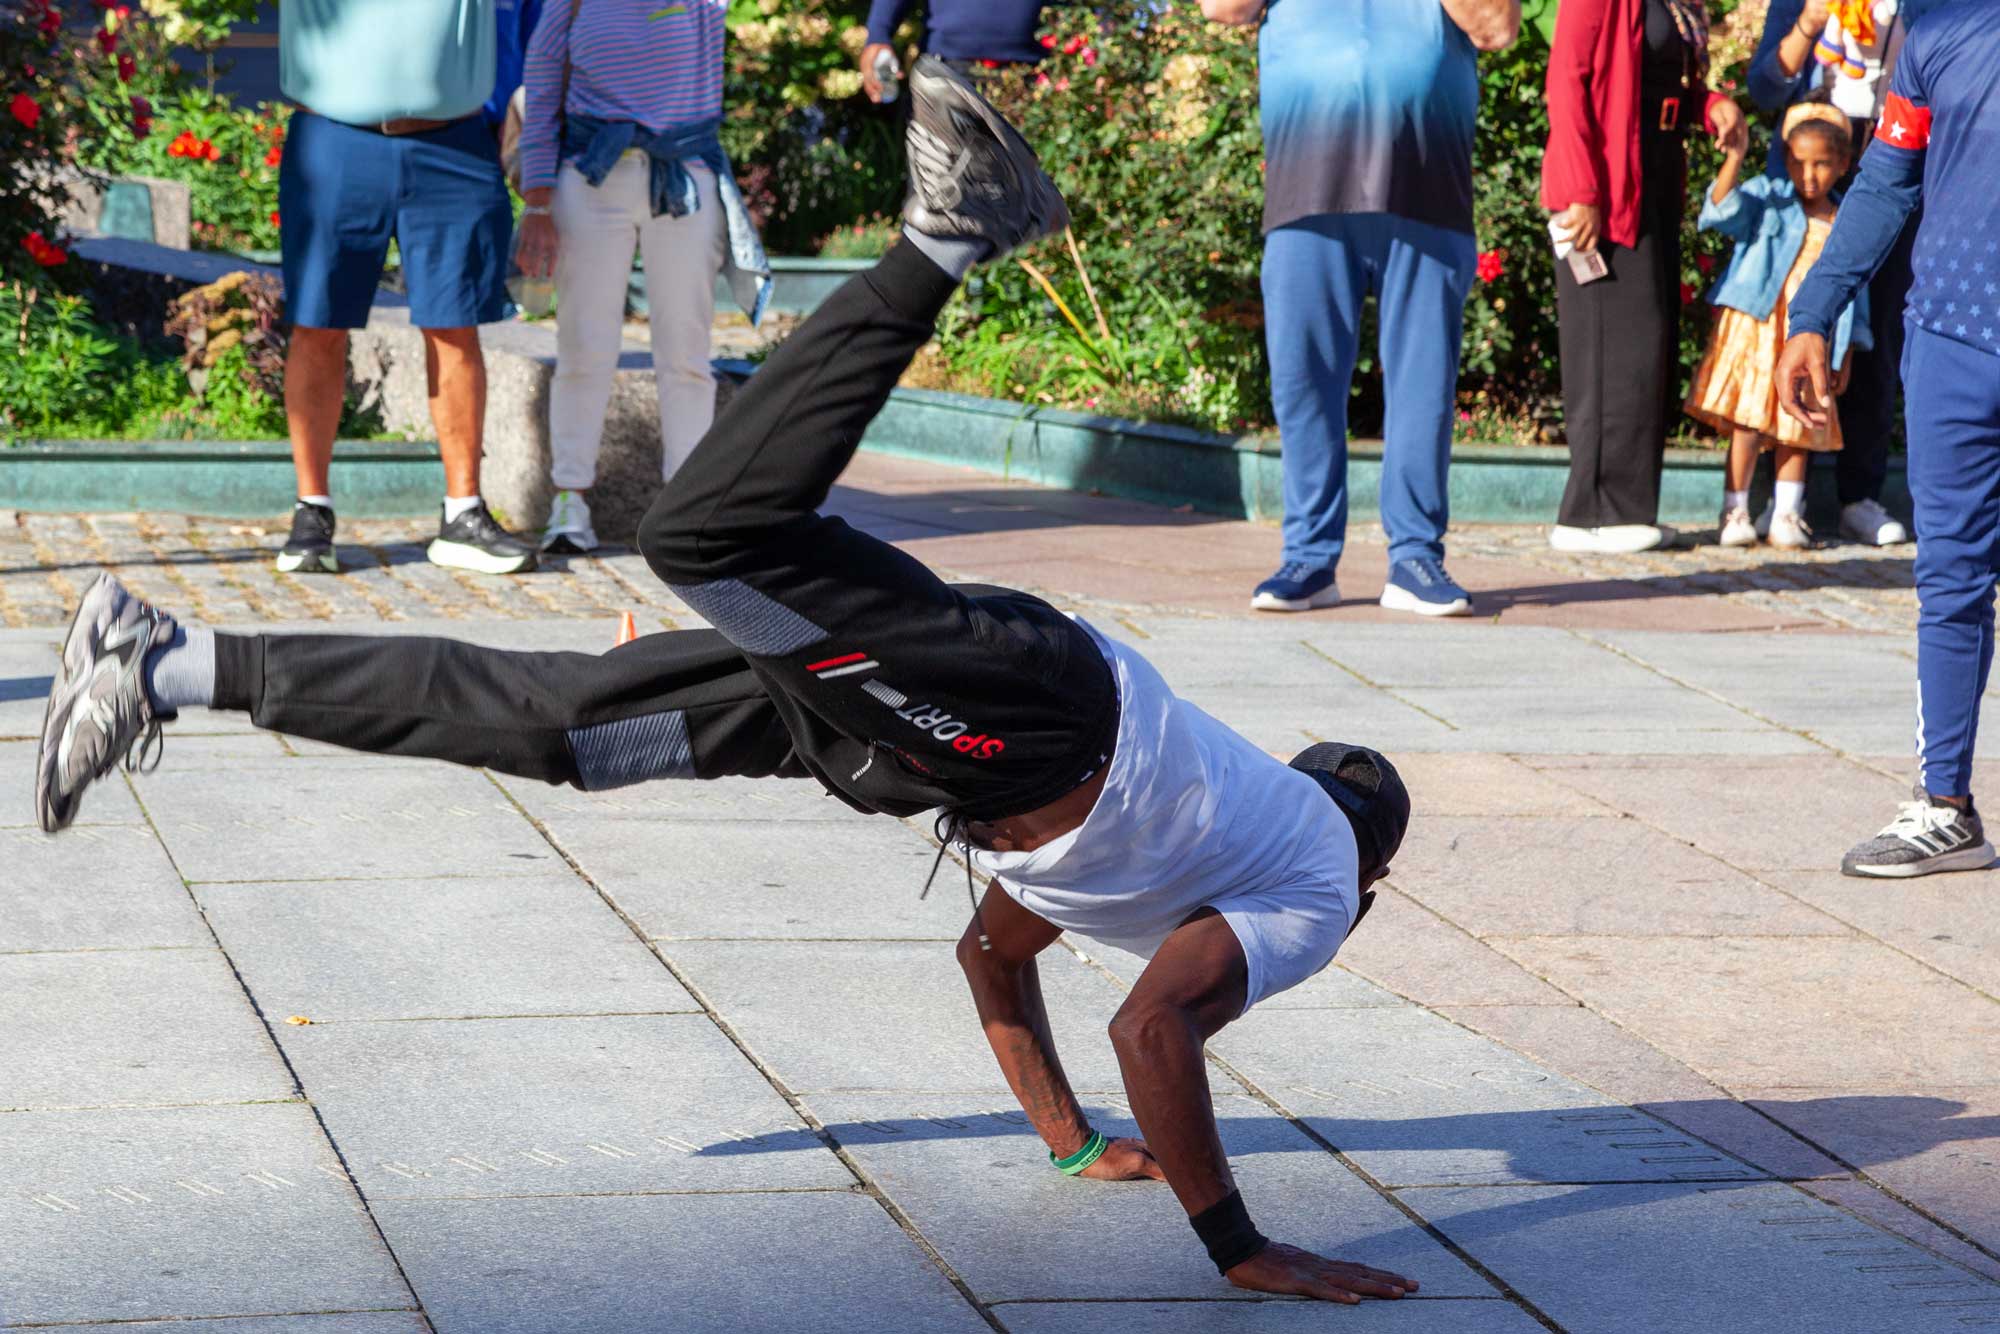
{"x":569,"y":544}
{"x":1738,"y":541}
{"x":1326,"y":597}
{"x":459,"y":556}
{"x":1867,"y":540}
{"x":308,"y":562}
{"x":1965,"y":859}
{"x":1598,"y":548}
{"x":931,"y":80}
{"x":1402,"y":599}
{"x":61,"y":697}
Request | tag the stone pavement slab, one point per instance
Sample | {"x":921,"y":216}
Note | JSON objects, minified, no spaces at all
{"x":888,"y":1014}
{"x":374,"y":819}
{"x":739,"y":880}
{"x":95,"y":887}
{"x":1416,"y":1100}
{"x":1333,"y":988}
{"x":1450,"y":1316}
{"x":1750,"y":1257}
{"x":1286,"y":719}
{"x":1924,"y":917}
{"x":1533,"y":875}
{"x":1779,"y":1012}
{"x":183,"y":1212}
{"x":1473,"y":653}
{"x":490,"y":1107}
{"x":109,"y":802}
{"x":342,"y":1322}
{"x":695,"y":1264}
{"x":27,"y":673}
{"x":667,"y":801}
{"x":425,"y":949}
{"x":1446,"y":784}
{"x":1867,"y":1200}
{"x":979,"y":1188}
{"x":131,"y":1028}
{"x":1937,"y":1147}
{"x":1413,"y":952}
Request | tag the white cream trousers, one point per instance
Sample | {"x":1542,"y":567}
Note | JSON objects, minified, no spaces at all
{"x":597,"y":229}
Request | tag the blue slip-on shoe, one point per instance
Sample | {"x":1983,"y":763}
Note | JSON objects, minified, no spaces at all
{"x":1420,"y":584}
{"x":1296,"y":587}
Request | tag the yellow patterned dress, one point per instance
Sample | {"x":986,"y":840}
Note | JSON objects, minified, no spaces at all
{"x":1735,"y":386}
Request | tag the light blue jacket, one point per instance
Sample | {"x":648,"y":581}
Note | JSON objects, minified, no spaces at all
{"x":1765,"y":219}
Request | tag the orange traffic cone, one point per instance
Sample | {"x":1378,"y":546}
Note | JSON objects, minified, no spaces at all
{"x":628,"y":629}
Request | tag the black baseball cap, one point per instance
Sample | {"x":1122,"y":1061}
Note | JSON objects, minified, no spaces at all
{"x":1368,"y":789}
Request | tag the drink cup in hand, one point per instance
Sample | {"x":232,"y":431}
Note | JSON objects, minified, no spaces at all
{"x":889,"y":74}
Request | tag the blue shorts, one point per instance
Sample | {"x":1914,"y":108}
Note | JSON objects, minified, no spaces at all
{"x":344,"y":192}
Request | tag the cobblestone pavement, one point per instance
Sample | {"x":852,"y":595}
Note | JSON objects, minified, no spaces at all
{"x":219,"y":570}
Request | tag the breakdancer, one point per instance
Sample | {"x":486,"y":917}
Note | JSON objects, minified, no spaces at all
{"x":1061,"y":763}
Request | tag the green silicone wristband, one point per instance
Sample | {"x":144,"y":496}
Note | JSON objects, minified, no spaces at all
{"x":1093,"y":1149}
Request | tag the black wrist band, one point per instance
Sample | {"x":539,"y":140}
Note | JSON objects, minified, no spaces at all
{"x":1225,"y":1228}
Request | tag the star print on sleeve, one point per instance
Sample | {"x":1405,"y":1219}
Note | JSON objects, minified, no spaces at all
{"x":1904,"y":124}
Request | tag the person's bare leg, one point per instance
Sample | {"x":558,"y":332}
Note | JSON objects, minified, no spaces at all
{"x":455,"y":376}
{"x":1792,"y":463}
{"x":315,"y":387}
{"x":1743,"y":448}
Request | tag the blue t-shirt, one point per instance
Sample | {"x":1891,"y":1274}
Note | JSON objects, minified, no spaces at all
{"x":1368,"y":107}
{"x":514,"y":24}
{"x":363,"y":61}
{"x":1938,"y":143}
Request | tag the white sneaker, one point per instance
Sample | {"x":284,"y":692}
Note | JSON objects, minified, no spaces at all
{"x":569,"y":524}
{"x":1621,"y":539}
{"x":1736,"y":528}
{"x":1789,"y":531}
{"x":1865,"y":521}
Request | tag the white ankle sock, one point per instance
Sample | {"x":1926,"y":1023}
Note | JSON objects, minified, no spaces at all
{"x":1790,"y":498}
{"x":324,"y":502}
{"x":955,"y":255}
{"x":180,"y":674}
{"x":1735,"y":500}
{"x":457,"y":505}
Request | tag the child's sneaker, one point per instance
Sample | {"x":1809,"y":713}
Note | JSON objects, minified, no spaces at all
{"x":1737,"y":529}
{"x":1789,"y":531}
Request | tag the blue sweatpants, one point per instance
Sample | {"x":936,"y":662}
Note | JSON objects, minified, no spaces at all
{"x":1951,"y":395}
{"x":1317,"y":273}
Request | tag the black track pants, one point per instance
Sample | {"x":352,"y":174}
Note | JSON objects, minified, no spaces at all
{"x":834,"y":655}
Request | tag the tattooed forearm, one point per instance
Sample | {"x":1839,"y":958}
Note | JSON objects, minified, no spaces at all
{"x":1017,"y":1027}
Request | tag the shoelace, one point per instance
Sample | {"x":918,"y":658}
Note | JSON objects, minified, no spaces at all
{"x":1294,"y":571}
{"x":950,"y":829}
{"x":1921,"y":817}
{"x":1429,"y":571}
{"x":143,"y":755}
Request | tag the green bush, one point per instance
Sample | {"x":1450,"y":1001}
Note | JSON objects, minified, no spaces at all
{"x":228,"y":155}
{"x":67,"y":376}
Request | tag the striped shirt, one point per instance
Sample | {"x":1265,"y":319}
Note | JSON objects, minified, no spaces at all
{"x":655,"y":62}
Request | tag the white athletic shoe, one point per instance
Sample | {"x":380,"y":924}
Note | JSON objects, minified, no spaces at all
{"x":569,"y":527}
{"x":1865,"y":521}
{"x":1619,"y":539}
{"x":1736,"y":529}
{"x":1790,"y":532}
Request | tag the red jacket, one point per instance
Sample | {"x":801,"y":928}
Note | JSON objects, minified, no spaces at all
{"x":1593,"y":95}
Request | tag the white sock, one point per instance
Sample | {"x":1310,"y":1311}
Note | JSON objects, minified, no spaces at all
{"x":1790,"y":498}
{"x":457,"y":505}
{"x":955,"y":255}
{"x":324,"y":502}
{"x":1735,"y":500}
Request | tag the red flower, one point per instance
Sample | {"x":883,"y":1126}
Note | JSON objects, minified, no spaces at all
{"x":141,"y":126}
{"x":1049,"y":42}
{"x":141,"y":107}
{"x":107,"y":40}
{"x":126,"y":68}
{"x":1706,"y":263}
{"x":275,"y":156}
{"x":1491,"y":265}
{"x":183,"y":145}
{"x":1072,"y":46}
{"x":51,"y":21}
{"x":1090,"y":55}
{"x":1687,"y":295}
{"x":207,"y":151}
{"x":26,"y":110}
{"x":42,"y":251}
{"x":274,"y":217}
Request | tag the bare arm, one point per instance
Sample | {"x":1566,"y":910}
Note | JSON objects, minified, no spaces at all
{"x":1237,"y":13}
{"x":1725,"y":179}
{"x":1489,"y":24}
{"x":1007,"y":991}
{"x":1797,"y":44}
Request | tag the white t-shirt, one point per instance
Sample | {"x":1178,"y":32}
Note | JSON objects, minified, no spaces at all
{"x":1193,"y":816}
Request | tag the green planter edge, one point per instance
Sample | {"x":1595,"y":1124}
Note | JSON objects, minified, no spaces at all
{"x":1159,"y":464}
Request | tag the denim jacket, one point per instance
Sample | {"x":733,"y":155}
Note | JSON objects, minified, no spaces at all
{"x":594,"y":146}
{"x":1764,"y":217}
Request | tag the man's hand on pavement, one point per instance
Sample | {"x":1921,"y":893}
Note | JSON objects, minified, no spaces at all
{"x":1125,"y":1160}
{"x":1802,"y":372}
{"x":1290,"y":1271}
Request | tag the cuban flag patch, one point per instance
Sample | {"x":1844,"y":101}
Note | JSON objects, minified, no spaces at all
{"x":1904,"y":123}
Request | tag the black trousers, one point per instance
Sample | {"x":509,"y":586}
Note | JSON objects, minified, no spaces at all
{"x":1619,"y":338}
{"x":834,"y":655}
{"x":1871,"y":406}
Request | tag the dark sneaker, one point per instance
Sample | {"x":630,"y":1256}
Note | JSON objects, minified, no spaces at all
{"x":1420,"y":584}
{"x":971,"y":175}
{"x":310,"y":549}
{"x":1925,"y":837}
{"x":475,"y":541}
{"x":98,"y":710}
{"x":1296,"y":587}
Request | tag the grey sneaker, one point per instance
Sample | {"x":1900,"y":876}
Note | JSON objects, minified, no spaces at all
{"x":972,"y":175}
{"x":98,"y":711}
{"x":1925,"y":837}
{"x":475,"y":541}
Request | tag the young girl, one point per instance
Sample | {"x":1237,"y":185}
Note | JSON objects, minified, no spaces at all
{"x":1779,"y":227}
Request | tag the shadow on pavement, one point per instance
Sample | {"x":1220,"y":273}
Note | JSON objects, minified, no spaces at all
{"x":1787,"y":577}
{"x":14,"y":688}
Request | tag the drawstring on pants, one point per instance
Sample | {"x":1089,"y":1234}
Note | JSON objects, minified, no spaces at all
{"x":950,"y":829}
